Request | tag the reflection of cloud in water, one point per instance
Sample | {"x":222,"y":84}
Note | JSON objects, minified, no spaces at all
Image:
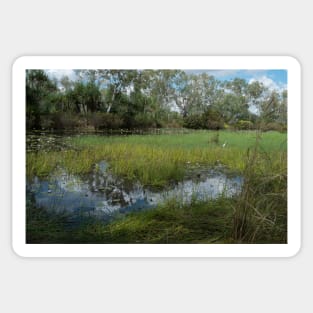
{"x":100,"y":193}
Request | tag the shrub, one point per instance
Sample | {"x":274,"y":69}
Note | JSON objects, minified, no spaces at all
{"x":274,"y":126}
{"x":213,"y":119}
{"x":210,"y":119}
{"x":194,"y":121}
{"x":216,"y":125}
{"x":144,"y":121}
{"x":68,"y":121}
{"x":46,"y":122}
{"x":105,"y":121}
{"x":30,"y":121}
{"x":244,"y":125}
{"x":215,"y":139}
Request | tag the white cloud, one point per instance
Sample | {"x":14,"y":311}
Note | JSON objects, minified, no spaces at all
{"x":222,"y":73}
{"x":269,"y":83}
{"x":215,"y":73}
{"x":58,"y":74}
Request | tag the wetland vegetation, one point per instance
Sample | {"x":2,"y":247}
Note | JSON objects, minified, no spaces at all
{"x":120,"y":173}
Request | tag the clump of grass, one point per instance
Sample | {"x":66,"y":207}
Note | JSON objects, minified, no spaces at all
{"x":260,"y":212}
{"x":199,"y":222}
{"x":215,"y":138}
{"x":43,"y":226}
{"x":41,"y":164}
{"x":172,"y":222}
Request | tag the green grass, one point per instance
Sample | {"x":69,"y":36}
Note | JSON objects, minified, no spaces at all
{"x":271,"y":141}
{"x":257,"y":215}
{"x":199,"y":222}
{"x":157,"y":159}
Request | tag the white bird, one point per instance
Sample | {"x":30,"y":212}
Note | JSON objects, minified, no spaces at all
{"x":224,"y":144}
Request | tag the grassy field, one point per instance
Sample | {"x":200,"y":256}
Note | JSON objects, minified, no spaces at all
{"x":158,"y":159}
{"x":257,"y":215}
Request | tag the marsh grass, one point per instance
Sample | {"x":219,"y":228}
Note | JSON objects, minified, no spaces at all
{"x":260,"y":211}
{"x":154,"y":159}
{"x":257,"y":215}
{"x":42,"y":226}
{"x":215,"y":138}
{"x":172,"y":222}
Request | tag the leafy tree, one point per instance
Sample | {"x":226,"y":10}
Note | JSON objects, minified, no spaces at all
{"x":256,"y":91}
{"x":39,"y":96}
{"x":283,"y":108}
{"x":270,"y":108}
{"x":85,"y":97}
{"x":210,"y":119}
{"x":150,"y":98}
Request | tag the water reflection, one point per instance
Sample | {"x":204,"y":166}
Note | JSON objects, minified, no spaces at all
{"x":101,"y":194}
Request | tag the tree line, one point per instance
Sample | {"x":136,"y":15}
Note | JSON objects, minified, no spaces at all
{"x":112,"y":99}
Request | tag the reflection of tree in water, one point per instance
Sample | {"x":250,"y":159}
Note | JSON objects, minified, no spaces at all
{"x":100,"y":193}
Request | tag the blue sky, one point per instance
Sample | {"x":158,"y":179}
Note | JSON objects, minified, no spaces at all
{"x":278,"y":76}
{"x":273,"y":79}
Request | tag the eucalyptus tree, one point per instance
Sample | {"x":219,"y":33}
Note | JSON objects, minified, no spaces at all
{"x":164,"y":85}
{"x":231,"y":100}
{"x":283,"y":107}
{"x":270,"y":108}
{"x":256,"y":93}
{"x":202,"y":91}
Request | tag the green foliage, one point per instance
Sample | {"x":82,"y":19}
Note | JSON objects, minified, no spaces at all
{"x":215,"y":139}
{"x":274,"y":126}
{"x":107,"y":121}
{"x":84,"y":97}
{"x":144,"y":121}
{"x":67,"y":120}
{"x":39,"y":96}
{"x":213,"y":119}
{"x":232,"y":107}
{"x":210,"y":119}
{"x":194,"y":121}
{"x":244,"y":125}
{"x":148,"y":98}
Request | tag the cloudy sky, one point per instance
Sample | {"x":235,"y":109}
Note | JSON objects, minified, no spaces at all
{"x":274,"y":79}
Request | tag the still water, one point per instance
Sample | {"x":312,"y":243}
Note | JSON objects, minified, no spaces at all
{"x":102,"y":195}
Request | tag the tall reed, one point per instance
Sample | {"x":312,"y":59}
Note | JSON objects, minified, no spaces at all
{"x":260,"y":212}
